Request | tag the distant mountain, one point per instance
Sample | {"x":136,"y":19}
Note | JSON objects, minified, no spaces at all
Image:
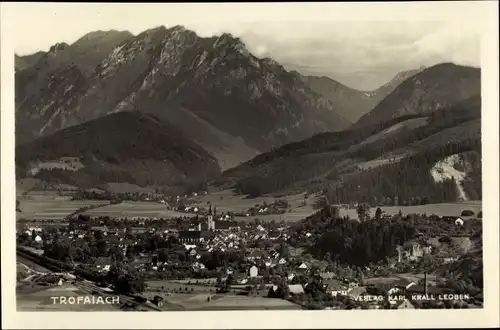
{"x":87,"y":52}
{"x":239,"y":104}
{"x":23,"y":62}
{"x":124,"y":147}
{"x":398,"y":157}
{"x":380,"y":93}
{"x":437,"y":87}
{"x":352,"y":103}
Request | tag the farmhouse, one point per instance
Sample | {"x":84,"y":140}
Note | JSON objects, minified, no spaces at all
{"x":302,"y":266}
{"x":295,"y":288}
{"x":254,"y":271}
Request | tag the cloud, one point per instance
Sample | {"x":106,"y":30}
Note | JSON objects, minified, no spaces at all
{"x":361,"y":53}
{"x":365,"y":55}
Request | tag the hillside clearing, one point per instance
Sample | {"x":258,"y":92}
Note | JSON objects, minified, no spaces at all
{"x":445,"y":169}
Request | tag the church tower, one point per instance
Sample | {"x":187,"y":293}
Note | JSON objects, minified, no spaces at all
{"x":210,"y":219}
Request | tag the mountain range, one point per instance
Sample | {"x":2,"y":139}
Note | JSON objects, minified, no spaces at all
{"x":270,"y":130}
{"x":354,"y":103}
{"x":249,"y":105}
{"x":394,"y":158}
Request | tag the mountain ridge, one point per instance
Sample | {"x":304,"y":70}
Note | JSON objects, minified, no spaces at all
{"x":217,"y":79}
{"x":437,"y":87}
{"x":103,"y":150}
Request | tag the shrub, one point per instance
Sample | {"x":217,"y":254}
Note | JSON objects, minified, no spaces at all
{"x":467,"y":213}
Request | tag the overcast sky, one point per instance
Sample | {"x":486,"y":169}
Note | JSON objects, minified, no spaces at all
{"x":361,"y":45}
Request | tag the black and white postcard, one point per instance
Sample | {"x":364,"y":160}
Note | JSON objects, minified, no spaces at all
{"x":286,"y":165}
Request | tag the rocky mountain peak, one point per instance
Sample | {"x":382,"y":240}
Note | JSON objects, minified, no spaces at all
{"x":58,"y":47}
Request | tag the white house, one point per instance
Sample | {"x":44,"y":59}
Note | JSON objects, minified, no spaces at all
{"x":38,"y":239}
{"x":260,"y":228}
{"x":282,"y":261}
{"x":303,"y":266}
{"x":254,"y":271}
{"x":295,"y":288}
{"x":459,"y":222}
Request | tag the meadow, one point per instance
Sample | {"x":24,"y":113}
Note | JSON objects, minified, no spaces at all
{"x":51,"y":208}
{"x":176,"y":297}
{"x":132,"y":210}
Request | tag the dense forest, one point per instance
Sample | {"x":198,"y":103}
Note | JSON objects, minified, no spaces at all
{"x":407,"y":182}
{"x":351,"y":242}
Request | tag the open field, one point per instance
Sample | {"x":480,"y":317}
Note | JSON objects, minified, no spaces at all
{"x":233,"y":302}
{"x":51,"y":209}
{"x":199,"y":301}
{"x":32,"y":298}
{"x":443,"y":209}
{"x":288,"y":217}
{"x":137,"y":210}
{"x":227,"y":201}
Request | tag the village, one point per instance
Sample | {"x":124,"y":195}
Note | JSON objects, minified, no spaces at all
{"x":212,"y":255}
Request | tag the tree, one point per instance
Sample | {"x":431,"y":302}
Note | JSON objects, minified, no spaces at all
{"x":229,"y":281}
{"x":98,"y":235}
{"x":284,"y":250}
{"x":363,"y":211}
{"x":102,"y":248}
{"x":163,"y":255}
{"x":126,"y":281}
{"x":129,"y":253}
{"x":378,"y":214}
{"x":116,"y":254}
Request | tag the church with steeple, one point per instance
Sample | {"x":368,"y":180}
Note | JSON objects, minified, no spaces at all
{"x":210,"y":219}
